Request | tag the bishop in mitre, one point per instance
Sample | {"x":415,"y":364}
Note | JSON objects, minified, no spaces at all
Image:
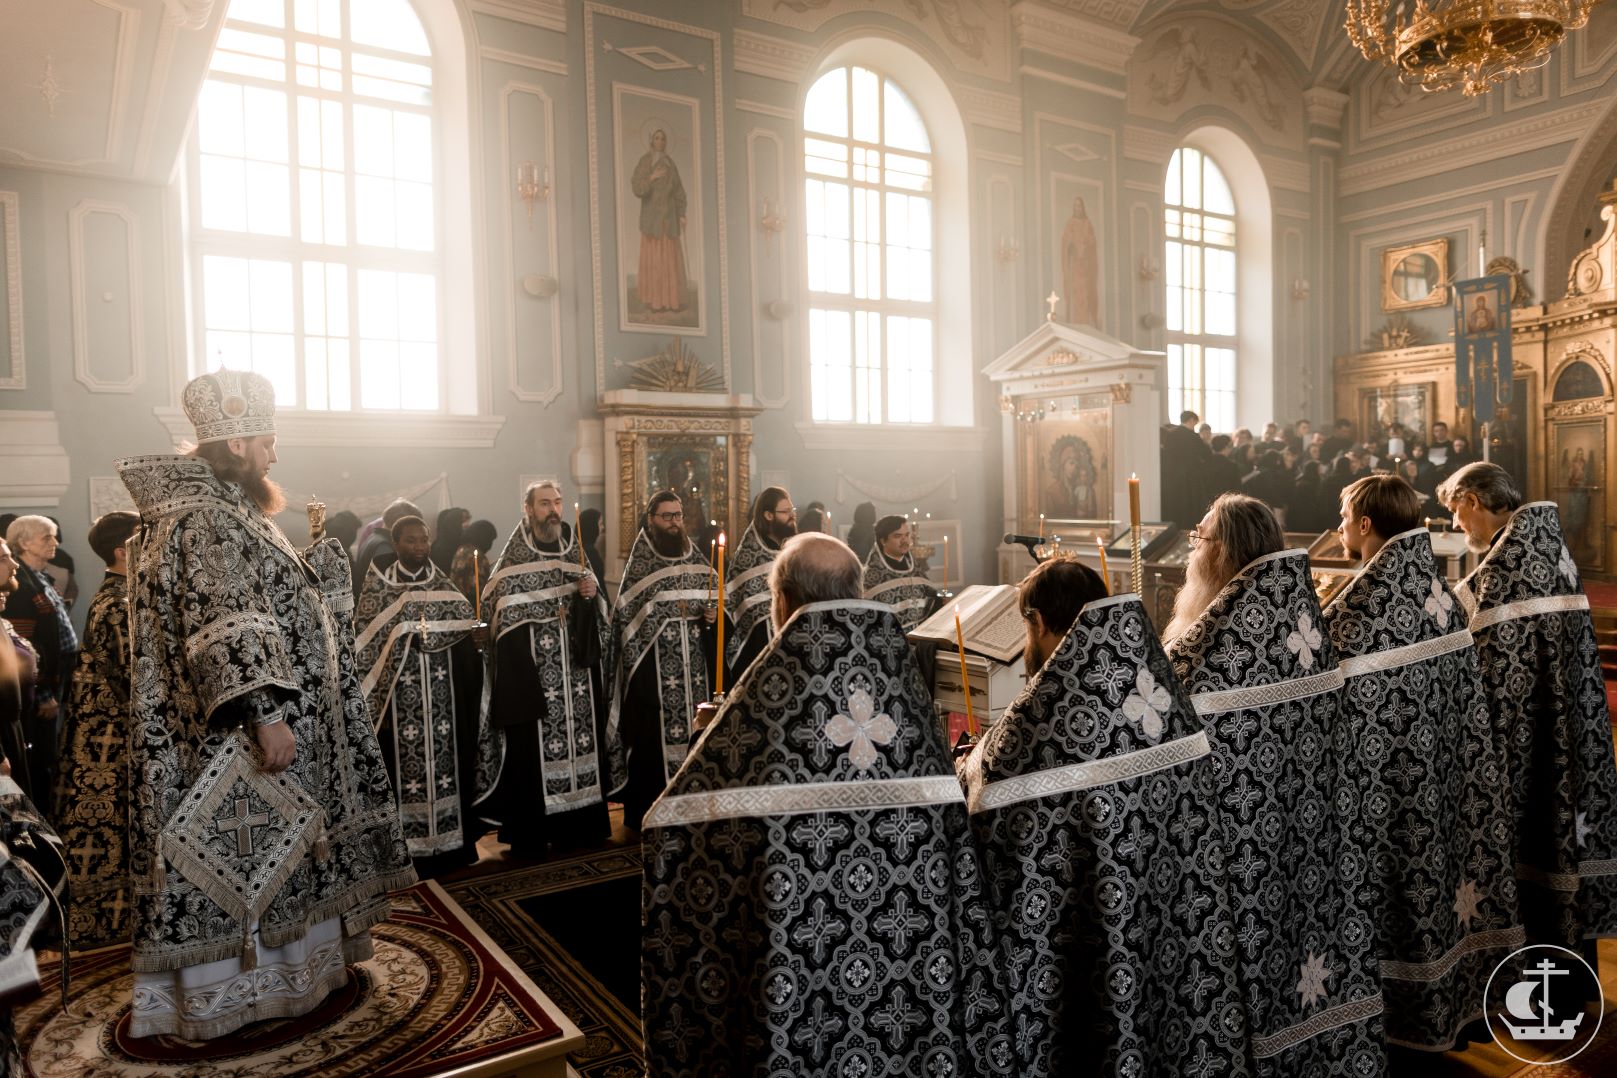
{"x":1106,"y":872}
{"x":263,"y":833}
{"x":1527,"y":610}
{"x":1429,"y":790}
{"x":423,"y":676}
{"x":1248,"y":641}
{"x":746,"y":586}
{"x":549,"y":624}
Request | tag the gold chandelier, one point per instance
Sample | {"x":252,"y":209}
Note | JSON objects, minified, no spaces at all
{"x":1468,"y":43}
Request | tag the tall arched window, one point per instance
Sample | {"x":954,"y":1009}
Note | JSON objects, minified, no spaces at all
{"x":867,"y":157}
{"x":312,"y":213}
{"x":1201,"y":276}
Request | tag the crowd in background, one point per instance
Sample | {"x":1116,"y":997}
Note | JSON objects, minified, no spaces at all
{"x":1298,"y":471}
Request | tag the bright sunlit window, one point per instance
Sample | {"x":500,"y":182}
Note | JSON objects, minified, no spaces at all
{"x":313,"y":221}
{"x":1201,"y":274}
{"x":871,"y":242}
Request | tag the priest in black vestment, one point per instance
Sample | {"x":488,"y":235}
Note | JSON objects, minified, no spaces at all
{"x":1090,"y":803}
{"x":663,"y":650}
{"x":1430,"y":788}
{"x":746,"y":584}
{"x":813,"y":903}
{"x":423,"y":676}
{"x":1530,"y":617}
{"x":1247,"y":640}
{"x":548,"y":620}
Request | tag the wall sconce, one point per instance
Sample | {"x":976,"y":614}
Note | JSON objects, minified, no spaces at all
{"x":540,"y":286}
{"x":1007,"y":251}
{"x":1300,"y":289}
{"x":1146,"y":272}
{"x":773,"y":220}
{"x":530,"y":187}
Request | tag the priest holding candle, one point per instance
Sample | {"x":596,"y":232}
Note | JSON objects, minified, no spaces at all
{"x":664,"y":651}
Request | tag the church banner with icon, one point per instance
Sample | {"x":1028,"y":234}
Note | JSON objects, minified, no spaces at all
{"x":1482,"y":345}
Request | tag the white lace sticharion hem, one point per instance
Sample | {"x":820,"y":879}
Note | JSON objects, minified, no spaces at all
{"x":213,"y":999}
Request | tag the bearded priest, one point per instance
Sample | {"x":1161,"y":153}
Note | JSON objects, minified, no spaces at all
{"x":1429,"y":791}
{"x":263,"y":831}
{"x":663,"y":650}
{"x":813,"y":904}
{"x":1247,"y":640}
{"x":549,"y":623}
{"x":1089,"y":801}
{"x":746,"y":586}
{"x":1536,"y":641}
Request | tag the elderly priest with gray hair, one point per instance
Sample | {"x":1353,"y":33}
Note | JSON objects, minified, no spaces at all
{"x":813,"y":904}
{"x":1535,"y":639}
{"x":263,"y":831}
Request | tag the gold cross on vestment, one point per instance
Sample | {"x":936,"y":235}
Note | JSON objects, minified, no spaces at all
{"x":242,"y":823}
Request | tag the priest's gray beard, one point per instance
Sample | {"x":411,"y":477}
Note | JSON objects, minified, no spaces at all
{"x":547,"y":529}
{"x":1205,"y":577}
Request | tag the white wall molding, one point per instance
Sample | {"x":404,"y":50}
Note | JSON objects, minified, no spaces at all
{"x":1502,"y":182}
{"x":890,"y":437}
{"x":360,"y":430}
{"x":545,"y":14}
{"x":34,"y":468}
{"x":1365,"y":243}
{"x":779,"y":112}
{"x":1071,"y":37}
{"x":1286,"y":173}
{"x":989,"y":108}
{"x":83,"y":370}
{"x":1033,"y":72}
{"x":771,"y":57}
{"x":1149,"y":144}
{"x":15,"y":376}
{"x":1448,"y":156}
{"x":513,"y":294}
{"x":1324,"y":106}
{"x":522,"y":59}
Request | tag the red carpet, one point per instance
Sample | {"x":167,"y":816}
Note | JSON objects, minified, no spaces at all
{"x":437,"y":997}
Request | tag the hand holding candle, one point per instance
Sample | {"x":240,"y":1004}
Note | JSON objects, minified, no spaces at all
{"x":965,"y":678}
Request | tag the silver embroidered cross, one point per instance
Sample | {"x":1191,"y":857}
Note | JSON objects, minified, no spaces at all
{"x":1439,"y":604}
{"x":1303,"y":640}
{"x":861,"y":729}
{"x":1147,"y":704}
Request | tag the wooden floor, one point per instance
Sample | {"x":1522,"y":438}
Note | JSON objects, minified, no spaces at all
{"x":1491,"y":1061}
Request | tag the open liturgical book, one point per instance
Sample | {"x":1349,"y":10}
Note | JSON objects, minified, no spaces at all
{"x":994,"y":635}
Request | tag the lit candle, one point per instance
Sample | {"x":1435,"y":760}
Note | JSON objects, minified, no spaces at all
{"x":965,"y":678}
{"x":578,"y":540}
{"x":1134,"y":500}
{"x":945,"y":561}
{"x":718,"y":677}
{"x":477,"y":585}
{"x":829,"y":530}
{"x":1041,"y":527}
{"x":1105,"y":572}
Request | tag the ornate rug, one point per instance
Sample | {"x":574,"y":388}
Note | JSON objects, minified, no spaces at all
{"x":574,"y":927}
{"x":434,"y":998}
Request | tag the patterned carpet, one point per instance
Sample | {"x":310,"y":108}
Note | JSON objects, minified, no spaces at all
{"x":433,"y":999}
{"x":574,"y":927}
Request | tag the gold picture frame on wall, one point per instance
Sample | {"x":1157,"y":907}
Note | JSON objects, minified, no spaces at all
{"x":1415,"y":276}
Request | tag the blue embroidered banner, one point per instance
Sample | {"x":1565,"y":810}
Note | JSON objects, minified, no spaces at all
{"x":1482,"y":344}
